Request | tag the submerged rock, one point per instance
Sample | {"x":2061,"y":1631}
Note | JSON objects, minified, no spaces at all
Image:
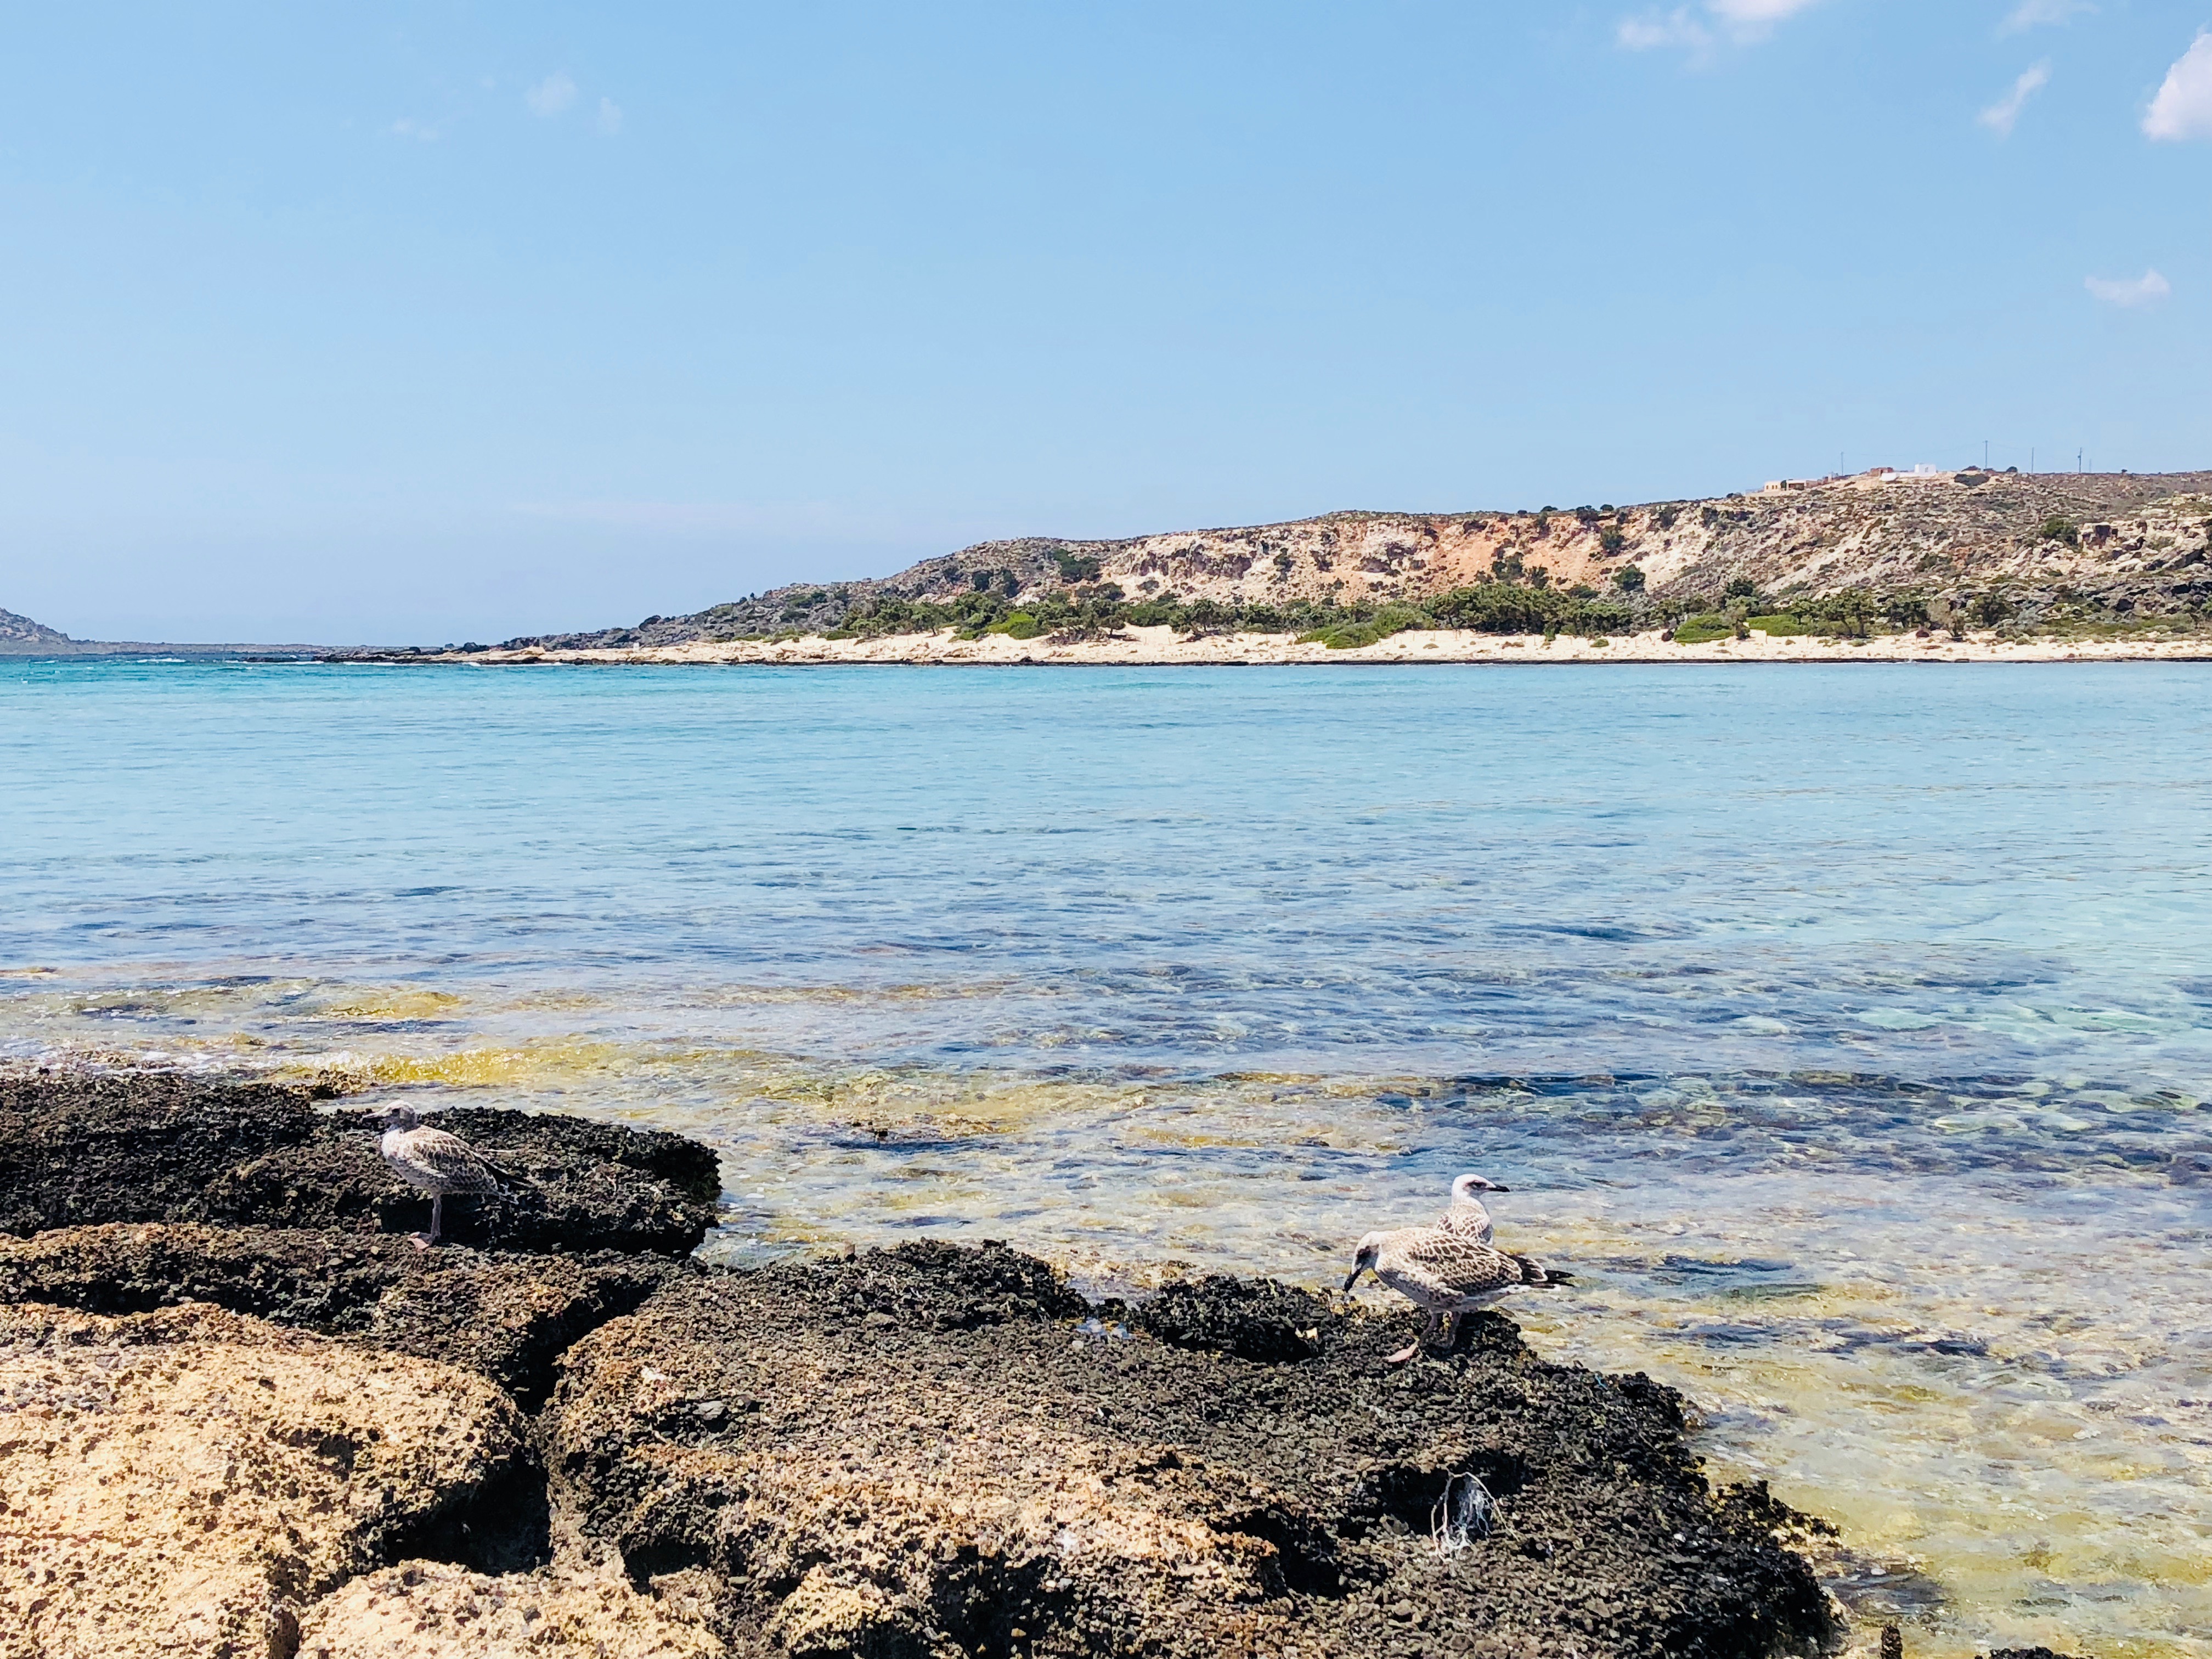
{"x":78,"y":1149}
{"x":914,"y":1451}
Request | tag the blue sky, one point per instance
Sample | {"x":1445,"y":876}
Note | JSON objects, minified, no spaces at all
{"x":438,"y":321}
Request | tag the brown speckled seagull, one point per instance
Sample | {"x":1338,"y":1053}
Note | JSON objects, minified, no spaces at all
{"x":435,"y":1160}
{"x":1467,"y":1214}
{"x":1445,"y":1272}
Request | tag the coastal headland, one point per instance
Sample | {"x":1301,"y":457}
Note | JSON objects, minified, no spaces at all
{"x":1922,"y":566}
{"x":1883,"y":565}
{"x":248,"y":1416}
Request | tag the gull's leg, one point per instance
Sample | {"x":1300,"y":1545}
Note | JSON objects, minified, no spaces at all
{"x":423,"y":1242}
{"x":1428,"y":1324}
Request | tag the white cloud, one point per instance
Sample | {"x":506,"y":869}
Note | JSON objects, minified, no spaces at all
{"x":610,"y":117}
{"x":2029,"y":13}
{"x":407,"y":127}
{"x":2129,"y":291}
{"x":1756,"y":14}
{"x":1651,"y":31}
{"x":551,"y":95}
{"x":1698,"y":28}
{"x":1999,"y":117}
{"x":2183,"y":108}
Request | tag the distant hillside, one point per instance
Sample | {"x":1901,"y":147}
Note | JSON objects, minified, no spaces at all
{"x":2107,"y":543}
{"x":21,"y":637}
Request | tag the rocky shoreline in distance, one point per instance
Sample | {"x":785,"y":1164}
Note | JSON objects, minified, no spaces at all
{"x":246,"y":1416}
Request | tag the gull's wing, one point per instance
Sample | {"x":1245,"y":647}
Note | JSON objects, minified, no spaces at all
{"x":1466,"y":1265}
{"x":457,"y":1166}
{"x":1439,"y":1265}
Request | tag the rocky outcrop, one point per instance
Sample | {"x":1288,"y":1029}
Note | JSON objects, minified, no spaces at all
{"x":83,"y":1149}
{"x":432,"y":1610}
{"x":229,"y":1439}
{"x":181,"y":1482}
{"x":920,"y":1452}
{"x":503,"y":1315}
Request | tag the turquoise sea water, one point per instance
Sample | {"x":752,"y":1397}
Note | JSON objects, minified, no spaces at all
{"x":1849,"y":1027}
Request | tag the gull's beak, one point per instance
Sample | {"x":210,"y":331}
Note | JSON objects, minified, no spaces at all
{"x":1501,"y":1189}
{"x":1354,"y":1277}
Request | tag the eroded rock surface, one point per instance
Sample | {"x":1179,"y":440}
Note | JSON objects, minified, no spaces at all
{"x":182,"y":1482}
{"x":432,"y":1610}
{"x":916,"y":1452}
{"x":78,"y":1149}
{"x":506,"y":1316}
{"x":241,"y":1439}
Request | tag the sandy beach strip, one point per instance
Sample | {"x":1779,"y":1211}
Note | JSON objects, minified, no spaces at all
{"x":1162,"y":647}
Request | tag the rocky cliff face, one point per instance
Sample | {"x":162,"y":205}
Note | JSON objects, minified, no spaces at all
{"x":2126,"y":540}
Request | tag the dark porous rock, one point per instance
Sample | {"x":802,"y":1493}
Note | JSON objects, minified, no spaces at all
{"x":2026,"y":1653}
{"x":920,"y":1451}
{"x":140,"y":1147}
{"x":77,"y":1150}
{"x":505,"y":1317}
{"x":1253,"y":1319}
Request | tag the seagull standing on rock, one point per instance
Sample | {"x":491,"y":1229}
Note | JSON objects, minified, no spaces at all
{"x":1447,"y":1270}
{"x":436,"y":1162}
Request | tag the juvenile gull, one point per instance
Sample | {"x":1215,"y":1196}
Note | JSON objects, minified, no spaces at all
{"x":435,"y":1160}
{"x":1445,"y":1273}
{"x":1467,"y":1214}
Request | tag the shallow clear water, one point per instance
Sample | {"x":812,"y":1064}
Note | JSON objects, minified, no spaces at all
{"x":1848,"y":1028}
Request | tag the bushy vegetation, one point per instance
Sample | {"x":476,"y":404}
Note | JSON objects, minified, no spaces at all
{"x":1351,"y":634}
{"x":1516,"y":600}
{"x":1704,"y":628}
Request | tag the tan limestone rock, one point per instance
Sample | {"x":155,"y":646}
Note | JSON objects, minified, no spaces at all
{"x":181,"y":1482}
